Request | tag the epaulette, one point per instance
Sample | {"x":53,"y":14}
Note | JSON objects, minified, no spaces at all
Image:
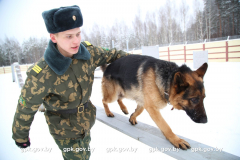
{"x":86,"y":43}
{"x":37,"y":68}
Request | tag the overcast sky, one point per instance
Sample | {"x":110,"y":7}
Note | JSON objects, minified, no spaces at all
{"x":23,"y":18}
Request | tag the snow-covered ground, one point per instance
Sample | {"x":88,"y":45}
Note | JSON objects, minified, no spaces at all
{"x":222,"y":130}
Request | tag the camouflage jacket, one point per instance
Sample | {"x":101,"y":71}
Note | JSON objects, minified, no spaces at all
{"x":63,"y":86}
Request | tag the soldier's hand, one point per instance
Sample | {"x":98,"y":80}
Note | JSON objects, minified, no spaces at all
{"x":23,"y":145}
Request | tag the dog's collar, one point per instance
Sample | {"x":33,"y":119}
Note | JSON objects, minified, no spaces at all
{"x":167,"y":98}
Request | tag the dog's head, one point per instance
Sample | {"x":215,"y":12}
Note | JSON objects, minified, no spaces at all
{"x":187,"y":92}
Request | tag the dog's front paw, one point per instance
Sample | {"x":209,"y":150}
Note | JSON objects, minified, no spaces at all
{"x":125,"y":111}
{"x":133,"y":120}
{"x":110,"y":114}
{"x":179,"y":143}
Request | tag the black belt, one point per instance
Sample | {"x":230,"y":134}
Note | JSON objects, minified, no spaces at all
{"x":79,"y":109}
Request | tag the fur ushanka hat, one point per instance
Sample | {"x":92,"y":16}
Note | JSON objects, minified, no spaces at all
{"x":62,"y":19}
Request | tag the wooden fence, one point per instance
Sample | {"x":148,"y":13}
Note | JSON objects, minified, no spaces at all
{"x":7,"y":69}
{"x":221,"y":51}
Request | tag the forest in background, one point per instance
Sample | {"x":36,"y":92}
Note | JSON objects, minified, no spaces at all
{"x":170,"y":24}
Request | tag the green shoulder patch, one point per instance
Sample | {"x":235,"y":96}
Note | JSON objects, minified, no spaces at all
{"x":105,"y":49}
{"x":22,"y":101}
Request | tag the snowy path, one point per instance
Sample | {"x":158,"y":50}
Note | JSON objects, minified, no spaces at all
{"x":222,"y":130}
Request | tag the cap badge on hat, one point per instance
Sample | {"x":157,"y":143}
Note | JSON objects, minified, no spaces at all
{"x":74,"y":18}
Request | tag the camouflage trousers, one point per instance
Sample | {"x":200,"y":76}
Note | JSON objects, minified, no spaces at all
{"x":75,"y":149}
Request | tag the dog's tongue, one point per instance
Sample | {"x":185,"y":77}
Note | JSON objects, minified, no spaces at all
{"x":172,"y":108}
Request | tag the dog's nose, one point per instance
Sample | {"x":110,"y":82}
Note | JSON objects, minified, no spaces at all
{"x":203,"y":120}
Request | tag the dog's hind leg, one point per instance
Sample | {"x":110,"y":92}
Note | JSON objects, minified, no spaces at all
{"x":122,"y":106}
{"x":133,"y":117}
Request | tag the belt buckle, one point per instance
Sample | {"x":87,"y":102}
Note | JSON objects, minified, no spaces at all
{"x":81,"y":106}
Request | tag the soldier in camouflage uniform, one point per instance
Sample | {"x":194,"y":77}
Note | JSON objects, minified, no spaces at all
{"x":62,"y":81}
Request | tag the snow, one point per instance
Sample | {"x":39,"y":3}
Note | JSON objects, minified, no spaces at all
{"x":222,"y":130}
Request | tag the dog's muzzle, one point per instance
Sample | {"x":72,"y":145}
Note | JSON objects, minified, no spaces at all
{"x":196,"y":116}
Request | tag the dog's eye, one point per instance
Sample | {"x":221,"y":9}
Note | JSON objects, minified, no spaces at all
{"x":194,"y":100}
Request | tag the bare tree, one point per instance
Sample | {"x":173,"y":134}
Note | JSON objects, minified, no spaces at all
{"x":33,"y":49}
{"x":138,"y":28}
{"x":184,"y":15}
{"x":2,"y":56}
{"x":11,"y":50}
{"x":169,"y":14}
{"x":151,"y":28}
{"x":162,"y":26}
{"x":199,"y":20}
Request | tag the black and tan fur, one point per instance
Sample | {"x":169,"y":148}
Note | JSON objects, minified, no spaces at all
{"x":152,"y":83}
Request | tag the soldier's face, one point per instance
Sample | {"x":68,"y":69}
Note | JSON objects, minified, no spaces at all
{"x":68,"y":42}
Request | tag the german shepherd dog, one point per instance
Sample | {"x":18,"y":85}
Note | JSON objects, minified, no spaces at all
{"x":153,"y":83}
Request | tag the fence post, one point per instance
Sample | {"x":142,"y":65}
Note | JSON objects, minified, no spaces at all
{"x":13,"y":73}
{"x":127,"y":45}
{"x":112,"y":43}
{"x":226,"y":51}
{"x":204,"y":46}
{"x":185,"y":56}
{"x":3,"y":70}
{"x":19,"y":75}
{"x":168,"y":54}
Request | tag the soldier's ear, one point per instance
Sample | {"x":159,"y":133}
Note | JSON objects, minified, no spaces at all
{"x":53,"y":37}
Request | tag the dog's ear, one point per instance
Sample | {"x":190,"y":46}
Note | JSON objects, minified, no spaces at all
{"x":202,"y":70}
{"x":180,"y":82}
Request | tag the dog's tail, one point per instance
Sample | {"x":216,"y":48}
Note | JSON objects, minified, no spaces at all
{"x":104,"y":67}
